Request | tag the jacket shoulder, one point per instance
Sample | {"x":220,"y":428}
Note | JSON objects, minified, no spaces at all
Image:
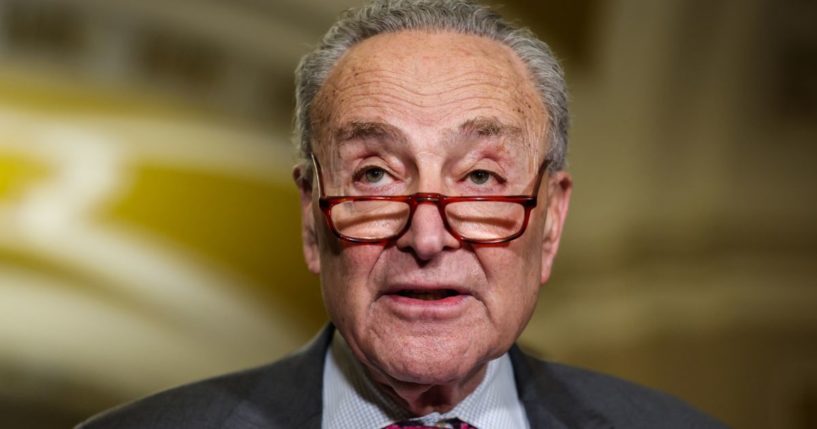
{"x":258,"y":397}
{"x":203,"y":404}
{"x":626,"y":404}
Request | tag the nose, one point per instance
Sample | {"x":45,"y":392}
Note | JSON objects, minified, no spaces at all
{"x":427,"y":235}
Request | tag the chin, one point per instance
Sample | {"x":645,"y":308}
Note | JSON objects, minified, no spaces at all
{"x":428,"y":361}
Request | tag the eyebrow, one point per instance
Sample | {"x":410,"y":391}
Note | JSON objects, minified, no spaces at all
{"x":483,"y":127}
{"x":358,"y":130}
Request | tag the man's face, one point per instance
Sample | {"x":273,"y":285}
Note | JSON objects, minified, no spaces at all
{"x":447,"y":113}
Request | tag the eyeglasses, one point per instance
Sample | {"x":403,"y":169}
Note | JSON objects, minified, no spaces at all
{"x":380,"y":219}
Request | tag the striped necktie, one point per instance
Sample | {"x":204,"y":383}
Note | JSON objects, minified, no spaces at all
{"x":442,"y":424}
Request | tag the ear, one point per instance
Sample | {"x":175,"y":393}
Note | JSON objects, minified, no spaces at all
{"x":309,"y":237}
{"x":560,"y":185}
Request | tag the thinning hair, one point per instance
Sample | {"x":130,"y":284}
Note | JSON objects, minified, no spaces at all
{"x":460,"y":16}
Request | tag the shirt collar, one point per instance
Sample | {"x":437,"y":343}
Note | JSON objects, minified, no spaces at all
{"x":350,"y":399}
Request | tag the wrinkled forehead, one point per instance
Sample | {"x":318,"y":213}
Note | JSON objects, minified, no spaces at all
{"x":429,"y":86}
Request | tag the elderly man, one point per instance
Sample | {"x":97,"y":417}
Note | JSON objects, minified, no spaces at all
{"x":433,"y":197}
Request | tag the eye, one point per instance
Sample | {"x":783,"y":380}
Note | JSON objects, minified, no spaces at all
{"x":480,"y":177}
{"x":370,"y":174}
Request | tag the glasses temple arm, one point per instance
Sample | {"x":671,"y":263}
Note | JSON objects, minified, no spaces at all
{"x":319,"y":178}
{"x":539,"y":176}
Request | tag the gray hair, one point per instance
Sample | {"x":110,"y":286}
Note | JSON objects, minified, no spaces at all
{"x":461,"y":16}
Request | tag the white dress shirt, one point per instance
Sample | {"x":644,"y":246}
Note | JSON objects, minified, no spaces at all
{"x":350,"y":399}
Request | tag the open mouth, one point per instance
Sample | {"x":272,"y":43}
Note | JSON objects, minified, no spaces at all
{"x":428,"y":295}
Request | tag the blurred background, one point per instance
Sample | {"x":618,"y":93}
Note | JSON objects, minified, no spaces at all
{"x":149,"y":228}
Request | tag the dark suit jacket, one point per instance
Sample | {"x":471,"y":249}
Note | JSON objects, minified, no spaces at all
{"x":287,"y":395}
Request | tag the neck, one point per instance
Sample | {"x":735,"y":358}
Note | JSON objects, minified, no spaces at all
{"x":418,"y":399}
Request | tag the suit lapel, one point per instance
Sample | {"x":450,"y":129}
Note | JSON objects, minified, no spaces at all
{"x":547,"y":401}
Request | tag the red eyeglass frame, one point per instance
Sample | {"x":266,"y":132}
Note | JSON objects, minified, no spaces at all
{"x":326,"y":203}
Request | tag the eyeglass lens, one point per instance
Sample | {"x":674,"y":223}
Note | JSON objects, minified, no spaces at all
{"x":477,"y":220}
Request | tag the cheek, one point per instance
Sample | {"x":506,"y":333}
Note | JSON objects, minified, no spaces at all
{"x":512,"y":275}
{"x":518,"y":264}
{"x":345,"y":279}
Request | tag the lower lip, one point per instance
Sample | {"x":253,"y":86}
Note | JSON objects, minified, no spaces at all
{"x":405,"y":306}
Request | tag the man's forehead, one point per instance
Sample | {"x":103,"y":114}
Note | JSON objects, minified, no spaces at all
{"x":459,"y":85}
{"x":431,"y":56}
{"x":438,"y":45}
